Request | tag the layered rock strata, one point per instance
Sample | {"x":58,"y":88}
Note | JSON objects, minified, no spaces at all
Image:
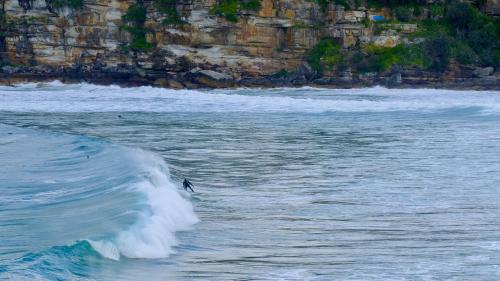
{"x":205,"y":51}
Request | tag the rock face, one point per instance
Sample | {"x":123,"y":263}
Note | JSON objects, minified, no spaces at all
{"x":259,"y":43}
{"x":492,"y":7}
{"x":483,"y":72}
{"x":208,"y":50}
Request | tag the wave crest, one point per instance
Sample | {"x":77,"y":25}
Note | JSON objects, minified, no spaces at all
{"x":167,"y":212}
{"x":67,"y":189}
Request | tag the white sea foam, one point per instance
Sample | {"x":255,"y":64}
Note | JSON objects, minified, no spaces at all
{"x":107,"y":249}
{"x":167,"y":212}
{"x":57,"y":97}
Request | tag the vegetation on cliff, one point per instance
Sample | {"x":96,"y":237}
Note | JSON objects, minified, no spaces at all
{"x":479,"y":32}
{"x":325,"y":55}
{"x":453,"y":33}
{"x":344,"y":3}
{"x":229,"y":9}
{"x":384,"y":38}
{"x":60,"y":4}
{"x":169,"y":9}
{"x":328,"y":55}
{"x":134,"y":21}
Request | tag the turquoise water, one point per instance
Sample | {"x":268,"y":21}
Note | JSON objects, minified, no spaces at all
{"x":290,"y":184}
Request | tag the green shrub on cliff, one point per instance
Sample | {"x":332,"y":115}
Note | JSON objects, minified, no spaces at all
{"x":406,"y":55}
{"x":251,"y":5}
{"x":453,"y":32}
{"x":230,"y":8}
{"x":135,"y":17}
{"x":472,"y":36}
{"x":459,"y":15}
{"x":480,"y":32}
{"x":392,"y":4}
{"x":324,"y":4}
{"x":328,"y":55}
{"x":72,"y":4}
{"x":436,"y":11}
{"x":463,"y":53}
{"x":169,"y":9}
{"x":371,"y":58}
{"x":135,"y":14}
{"x":428,"y":28}
{"x":226,"y":9}
{"x":403,"y":13}
{"x":141,"y":44}
{"x":325,"y":55}
{"x":437,"y":50}
{"x":364,"y":63}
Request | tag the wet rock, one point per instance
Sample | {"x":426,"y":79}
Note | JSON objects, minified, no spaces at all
{"x":303,"y":74}
{"x":168,"y":83}
{"x":492,"y":7}
{"x":483,"y":71}
{"x":386,"y":40}
{"x":346,"y":75}
{"x":211,"y":79}
{"x":395,"y":77}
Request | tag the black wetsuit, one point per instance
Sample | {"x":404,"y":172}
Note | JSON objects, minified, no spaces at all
{"x":187,"y":184}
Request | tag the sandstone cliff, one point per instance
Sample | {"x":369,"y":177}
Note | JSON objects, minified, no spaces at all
{"x":264,"y":46}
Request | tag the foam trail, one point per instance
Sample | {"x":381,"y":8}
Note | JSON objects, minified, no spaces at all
{"x":153,"y":235}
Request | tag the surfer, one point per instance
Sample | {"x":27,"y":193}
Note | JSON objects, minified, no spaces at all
{"x":187,"y":184}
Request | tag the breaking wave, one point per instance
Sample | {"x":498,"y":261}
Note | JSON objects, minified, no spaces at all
{"x":58,"y":97}
{"x":62,"y":193}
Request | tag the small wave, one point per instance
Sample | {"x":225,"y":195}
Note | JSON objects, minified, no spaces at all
{"x":55,"y":263}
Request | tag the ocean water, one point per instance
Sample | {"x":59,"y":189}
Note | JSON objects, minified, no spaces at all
{"x":290,"y":184}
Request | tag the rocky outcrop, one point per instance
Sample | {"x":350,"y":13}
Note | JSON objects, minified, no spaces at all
{"x":41,"y":42}
{"x":492,"y":7}
{"x":260,"y":43}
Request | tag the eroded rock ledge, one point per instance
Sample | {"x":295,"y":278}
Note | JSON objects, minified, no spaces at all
{"x":197,"y":78}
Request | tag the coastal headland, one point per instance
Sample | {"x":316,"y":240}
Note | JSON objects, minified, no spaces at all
{"x":252,"y":43}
